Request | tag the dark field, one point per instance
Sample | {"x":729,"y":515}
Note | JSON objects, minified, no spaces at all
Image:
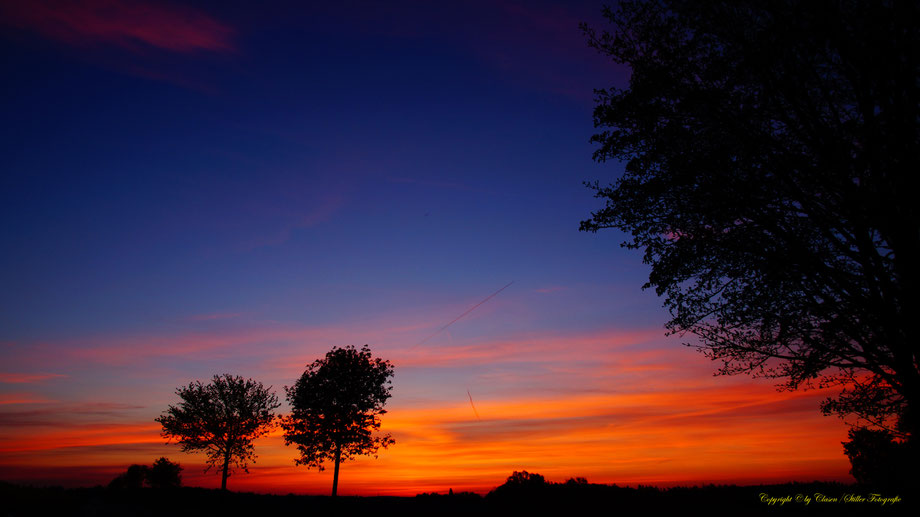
{"x":551,"y":499}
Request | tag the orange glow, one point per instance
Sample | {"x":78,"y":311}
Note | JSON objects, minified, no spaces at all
{"x":700,"y":435}
{"x":613,"y":407}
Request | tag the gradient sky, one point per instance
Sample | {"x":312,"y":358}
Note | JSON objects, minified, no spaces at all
{"x":188,"y":191}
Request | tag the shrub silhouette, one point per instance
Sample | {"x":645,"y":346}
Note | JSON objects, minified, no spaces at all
{"x":164,"y":474}
{"x":134,"y":477}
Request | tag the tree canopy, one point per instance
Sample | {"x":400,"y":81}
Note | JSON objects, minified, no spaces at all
{"x":770,"y":149}
{"x":336,"y":406}
{"x":221,"y":418}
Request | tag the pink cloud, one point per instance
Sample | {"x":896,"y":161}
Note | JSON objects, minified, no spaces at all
{"x":542,"y":347}
{"x":119,"y":350}
{"x":27,"y":378}
{"x":22,"y":398}
{"x":129,"y":24}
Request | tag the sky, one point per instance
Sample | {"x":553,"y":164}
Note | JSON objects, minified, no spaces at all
{"x":191,"y":189}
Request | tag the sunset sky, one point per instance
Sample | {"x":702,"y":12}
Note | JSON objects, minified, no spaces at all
{"x":188,"y":191}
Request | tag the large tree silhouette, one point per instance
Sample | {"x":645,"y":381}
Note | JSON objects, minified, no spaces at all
{"x":222,"y":419}
{"x":770,"y":149}
{"x":336,"y":406}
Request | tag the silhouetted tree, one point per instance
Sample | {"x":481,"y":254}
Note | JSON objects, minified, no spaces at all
{"x":222,"y":419}
{"x":877,"y":460}
{"x":134,"y":477}
{"x":770,"y":149}
{"x":524,"y":479}
{"x":164,"y":474}
{"x":336,"y":406}
{"x":521,"y":484}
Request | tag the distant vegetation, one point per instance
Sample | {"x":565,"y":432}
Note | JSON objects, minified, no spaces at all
{"x":162,"y":474}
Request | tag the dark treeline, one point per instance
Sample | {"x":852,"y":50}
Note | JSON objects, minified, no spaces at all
{"x":511,"y":498}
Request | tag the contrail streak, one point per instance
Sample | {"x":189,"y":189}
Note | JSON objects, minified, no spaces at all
{"x":471,"y":405}
{"x":471,"y":309}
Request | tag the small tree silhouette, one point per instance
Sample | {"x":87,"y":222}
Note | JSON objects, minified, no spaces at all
{"x":164,"y":474}
{"x":222,"y":419}
{"x":336,"y":406}
{"x":134,"y":477}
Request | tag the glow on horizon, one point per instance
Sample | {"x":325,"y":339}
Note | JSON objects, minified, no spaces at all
{"x":614,"y":425}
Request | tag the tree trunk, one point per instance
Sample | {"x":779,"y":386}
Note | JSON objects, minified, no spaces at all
{"x":335,"y":476}
{"x":223,"y":480}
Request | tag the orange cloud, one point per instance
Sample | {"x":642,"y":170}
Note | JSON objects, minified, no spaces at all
{"x":84,"y":435}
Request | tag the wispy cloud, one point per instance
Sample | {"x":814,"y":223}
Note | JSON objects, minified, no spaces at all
{"x":55,"y":414}
{"x":64,"y":436}
{"x":320,"y":211}
{"x":22,"y":398}
{"x":542,"y":347}
{"x":130,"y":24}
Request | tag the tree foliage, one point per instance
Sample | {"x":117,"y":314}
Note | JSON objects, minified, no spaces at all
{"x":769,"y":150}
{"x":221,"y":418}
{"x":336,"y":406}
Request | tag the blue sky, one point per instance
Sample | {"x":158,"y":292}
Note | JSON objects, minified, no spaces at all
{"x":189,"y":189}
